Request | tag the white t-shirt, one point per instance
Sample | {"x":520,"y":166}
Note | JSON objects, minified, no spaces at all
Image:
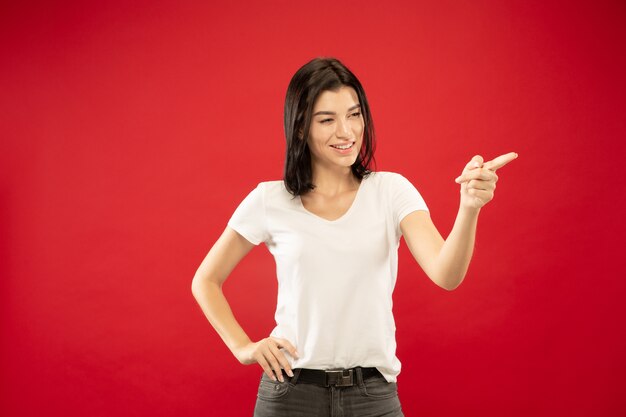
{"x":335,"y":278}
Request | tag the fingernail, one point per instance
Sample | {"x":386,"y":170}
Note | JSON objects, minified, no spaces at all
{"x":273,"y":377}
{"x":290,"y":373}
{"x":457,"y":180}
{"x":476,"y":164}
{"x":297,"y":354}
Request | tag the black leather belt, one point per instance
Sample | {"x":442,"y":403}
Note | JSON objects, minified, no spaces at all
{"x":338,"y":378}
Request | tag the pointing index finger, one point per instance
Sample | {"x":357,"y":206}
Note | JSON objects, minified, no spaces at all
{"x":500,"y":161}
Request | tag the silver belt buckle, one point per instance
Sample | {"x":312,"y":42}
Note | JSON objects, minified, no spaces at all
{"x":343,"y":378}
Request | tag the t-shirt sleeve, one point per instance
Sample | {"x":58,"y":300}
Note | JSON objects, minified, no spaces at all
{"x":249,"y":218}
{"x":405,"y":199}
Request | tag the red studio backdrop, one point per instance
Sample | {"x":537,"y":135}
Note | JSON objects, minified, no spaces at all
{"x":130,"y":132}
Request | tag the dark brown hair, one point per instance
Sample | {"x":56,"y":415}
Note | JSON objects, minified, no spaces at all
{"x":313,"y":78}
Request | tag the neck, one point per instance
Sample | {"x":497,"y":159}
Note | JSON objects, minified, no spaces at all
{"x":334,"y":181}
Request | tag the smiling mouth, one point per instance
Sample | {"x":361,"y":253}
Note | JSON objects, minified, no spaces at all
{"x":343,"y":147}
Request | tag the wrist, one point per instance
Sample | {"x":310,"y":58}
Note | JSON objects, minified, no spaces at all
{"x":241,"y":353}
{"x":469,"y":211}
{"x":240,"y":344}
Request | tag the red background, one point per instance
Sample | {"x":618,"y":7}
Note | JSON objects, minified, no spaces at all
{"x":130,"y":132}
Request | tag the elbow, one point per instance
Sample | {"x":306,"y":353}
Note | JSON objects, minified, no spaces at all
{"x":196,"y":286}
{"x":200,"y":285}
{"x":450,"y":284}
{"x":451,"y":287}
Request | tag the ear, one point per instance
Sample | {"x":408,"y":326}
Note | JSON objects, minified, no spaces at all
{"x":300,"y":134}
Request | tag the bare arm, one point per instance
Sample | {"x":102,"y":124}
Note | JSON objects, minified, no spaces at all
{"x":206,"y":287}
{"x":446,"y":262}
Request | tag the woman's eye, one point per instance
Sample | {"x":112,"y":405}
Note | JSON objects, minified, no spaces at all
{"x":355,"y":114}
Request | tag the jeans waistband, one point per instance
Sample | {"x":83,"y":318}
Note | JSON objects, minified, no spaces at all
{"x":336,"y":378}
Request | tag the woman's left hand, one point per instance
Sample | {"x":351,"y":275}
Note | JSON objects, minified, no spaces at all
{"x":478,"y":180}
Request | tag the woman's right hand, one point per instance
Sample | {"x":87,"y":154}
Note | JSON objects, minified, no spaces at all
{"x":266,"y":352}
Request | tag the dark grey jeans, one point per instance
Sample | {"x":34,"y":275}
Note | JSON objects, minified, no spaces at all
{"x":372,"y":397}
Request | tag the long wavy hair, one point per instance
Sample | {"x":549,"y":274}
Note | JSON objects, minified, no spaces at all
{"x":313,"y":78}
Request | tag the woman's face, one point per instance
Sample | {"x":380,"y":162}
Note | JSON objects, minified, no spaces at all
{"x":337,"y":126}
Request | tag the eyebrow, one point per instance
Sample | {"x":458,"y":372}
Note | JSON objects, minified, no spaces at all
{"x":356,"y":106}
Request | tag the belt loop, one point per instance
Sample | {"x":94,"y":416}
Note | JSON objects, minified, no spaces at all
{"x":296,"y":374}
{"x":359,"y":376}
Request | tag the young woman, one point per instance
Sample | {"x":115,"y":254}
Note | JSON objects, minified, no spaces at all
{"x":334,"y":227}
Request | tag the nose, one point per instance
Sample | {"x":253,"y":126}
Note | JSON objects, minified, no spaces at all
{"x":343,"y":129}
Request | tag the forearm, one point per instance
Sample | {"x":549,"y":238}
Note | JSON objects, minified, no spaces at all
{"x":215,"y":307}
{"x":455,"y":255}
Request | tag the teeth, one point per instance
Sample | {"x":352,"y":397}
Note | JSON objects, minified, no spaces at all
{"x":343,"y":147}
